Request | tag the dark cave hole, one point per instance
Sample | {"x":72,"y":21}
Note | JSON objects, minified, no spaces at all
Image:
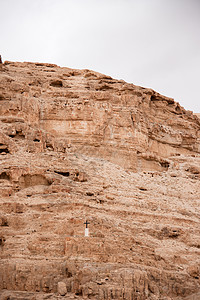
{"x":56,"y":83}
{"x":133,"y":122}
{"x":4,"y":98}
{"x":4,"y":222}
{"x":49,"y":146}
{"x":69,"y":274}
{"x":5,"y":176}
{"x":89,"y":194}
{"x":2,"y":240}
{"x":142,"y":189}
{"x":164,"y":164}
{"x":80,"y":293}
{"x":153,"y":98}
{"x":66,"y":174}
{"x":178,"y":109}
{"x":5,"y":150}
{"x":19,"y":135}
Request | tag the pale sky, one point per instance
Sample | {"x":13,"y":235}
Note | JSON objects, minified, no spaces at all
{"x":151,"y":43}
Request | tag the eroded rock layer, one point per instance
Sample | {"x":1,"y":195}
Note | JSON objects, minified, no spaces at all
{"x":77,"y":145}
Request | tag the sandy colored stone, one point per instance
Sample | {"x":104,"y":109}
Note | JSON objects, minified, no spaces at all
{"x":62,"y":290}
{"x":77,"y":145}
{"x":194,"y":271}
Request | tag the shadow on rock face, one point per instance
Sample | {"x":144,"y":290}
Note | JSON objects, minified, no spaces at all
{"x":32,"y":180}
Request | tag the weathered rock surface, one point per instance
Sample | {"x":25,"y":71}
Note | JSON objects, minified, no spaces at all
{"x":62,"y":289}
{"x":77,"y":145}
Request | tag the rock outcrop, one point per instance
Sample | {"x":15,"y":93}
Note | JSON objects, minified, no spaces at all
{"x":77,"y":145}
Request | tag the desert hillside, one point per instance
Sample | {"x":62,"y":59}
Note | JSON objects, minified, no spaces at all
{"x":77,"y":145}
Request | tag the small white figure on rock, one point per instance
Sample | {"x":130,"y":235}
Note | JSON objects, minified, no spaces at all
{"x":86,"y":228}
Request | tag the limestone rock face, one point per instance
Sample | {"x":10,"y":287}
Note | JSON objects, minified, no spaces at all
{"x":77,"y":145}
{"x":56,"y":108}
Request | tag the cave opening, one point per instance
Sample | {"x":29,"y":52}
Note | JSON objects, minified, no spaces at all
{"x":18,"y":135}
{"x":4,"y":176}
{"x":66,"y":174}
{"x":4,"y":148}
{"x":2,"y":241}
{"x":56,"y":83}
{"x":164,"y":164}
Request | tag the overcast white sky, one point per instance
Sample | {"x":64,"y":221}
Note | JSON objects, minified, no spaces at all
{"x":151,"y":43}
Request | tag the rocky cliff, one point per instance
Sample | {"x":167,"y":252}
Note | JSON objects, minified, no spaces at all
{"x":77,"y":145}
